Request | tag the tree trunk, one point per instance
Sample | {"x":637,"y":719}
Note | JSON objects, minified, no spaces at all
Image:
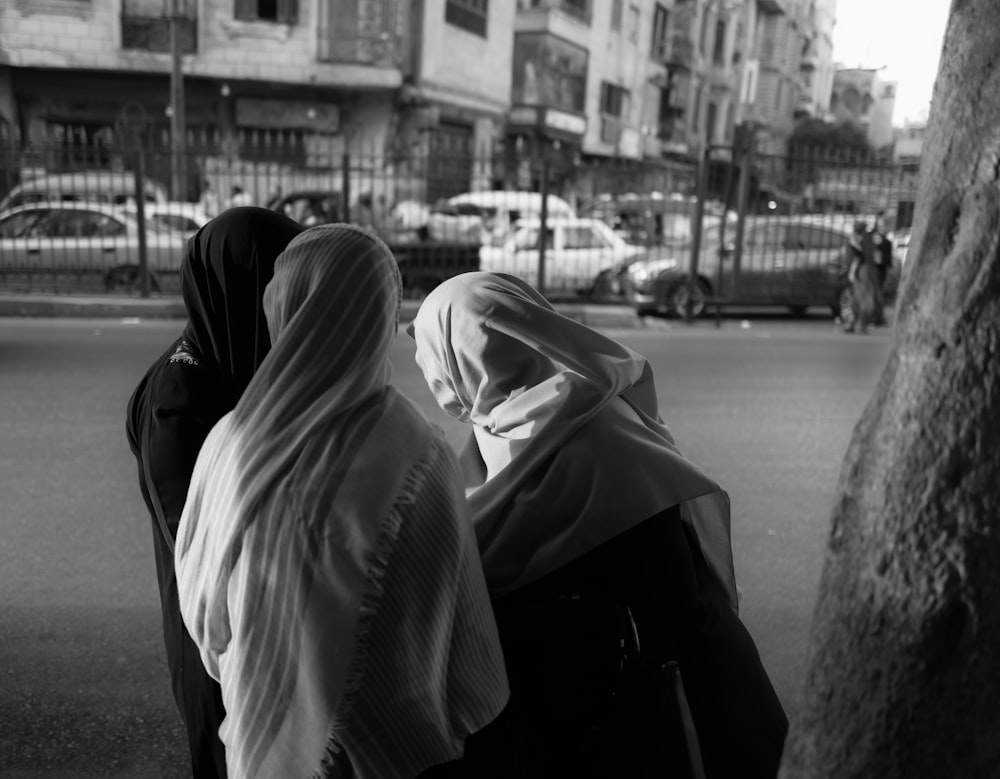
{"x":903,"y":675}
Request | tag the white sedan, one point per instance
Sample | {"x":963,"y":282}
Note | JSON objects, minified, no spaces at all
{"x":185,"y":218}
{"x":84,"y":238}
{"x":577,"y":250}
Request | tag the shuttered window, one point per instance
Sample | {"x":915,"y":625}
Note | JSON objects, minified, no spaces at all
{"x":470,"y":15}
{"x":281,"y":11}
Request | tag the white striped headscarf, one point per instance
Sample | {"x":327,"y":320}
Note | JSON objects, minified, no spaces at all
{"x":326,"y":567}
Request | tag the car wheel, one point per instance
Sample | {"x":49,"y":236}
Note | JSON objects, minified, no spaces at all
{"x":843,"y":309}
{"x":677,"y":299}
{"x":125,"y":278}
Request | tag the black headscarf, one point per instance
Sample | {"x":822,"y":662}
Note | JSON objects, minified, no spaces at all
{"x":228,"y":263}
{"x":184,"y":393}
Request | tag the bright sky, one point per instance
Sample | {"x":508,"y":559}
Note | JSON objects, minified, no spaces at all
{"x":904,"y":37}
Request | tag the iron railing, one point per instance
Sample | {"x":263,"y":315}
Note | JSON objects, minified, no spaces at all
{"x":605,"y":216}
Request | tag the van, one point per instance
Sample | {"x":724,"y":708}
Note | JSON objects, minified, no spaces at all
{"x":501,"y":209}
{"x":98,"y":186}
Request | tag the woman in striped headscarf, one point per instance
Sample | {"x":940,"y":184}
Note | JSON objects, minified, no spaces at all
{"x":326,"y":567}
{"x":595,"y":533}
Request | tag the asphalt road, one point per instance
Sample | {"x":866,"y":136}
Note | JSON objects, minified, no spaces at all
{"x":768,"y":410}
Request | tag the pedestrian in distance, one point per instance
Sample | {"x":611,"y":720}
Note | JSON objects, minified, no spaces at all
{"x":209,"y":199}
{"x":882,"y":256}
{"x":238,"y":197}
{"x":606,"y":551}
{"x":866,"y":294}
{"x":185,"y":392}
{"x":327,"y":569}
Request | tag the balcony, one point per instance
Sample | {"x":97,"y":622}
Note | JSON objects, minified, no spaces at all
{"x":723,"y":77}
{"x":146,"y":32}
{"x":576,"y":9}
{"x":671,"y":128}
{"x":676,"y":52}
{"x":380,"y":50}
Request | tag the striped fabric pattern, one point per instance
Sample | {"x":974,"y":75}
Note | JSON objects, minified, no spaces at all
{"x":326,"y":567}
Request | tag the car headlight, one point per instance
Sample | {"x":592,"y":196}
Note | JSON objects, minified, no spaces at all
{"x":639,"y":274}
{"x":643,"y":272}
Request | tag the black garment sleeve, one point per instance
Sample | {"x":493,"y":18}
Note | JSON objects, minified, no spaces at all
{"x":170,"y":415}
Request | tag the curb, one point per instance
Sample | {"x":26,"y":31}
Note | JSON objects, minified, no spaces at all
{"x":96,"y":307}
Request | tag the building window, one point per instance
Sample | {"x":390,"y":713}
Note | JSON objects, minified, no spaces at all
{"x":614,"y":100}
{"x":710,"y":120}
{"x":281,"y":11}
{"x":633,"y":23}
{"x":578,"y":8}
{"x":669,"y":113}
{"x":470,"y":15}
{"x":718,"y":52}
{"x":271,"y":144}
{"x":616,"y":15}
{"x":661,"y":31}
{"x":703,"y":38}
{"x":549,"y":71}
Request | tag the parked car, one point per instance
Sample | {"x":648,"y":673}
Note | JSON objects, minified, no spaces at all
{"x":99,"y":186}
{"x":577,"y":250}
{"x":501,"y":210}
{"x":423,"y":262}
{"x":85,"y":238}
{"x":461,"y":223}
{"x":793,"y":261}
{"x":185,"y":218}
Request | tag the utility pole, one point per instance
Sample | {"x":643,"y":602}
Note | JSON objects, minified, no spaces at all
{"x":178,"y":121}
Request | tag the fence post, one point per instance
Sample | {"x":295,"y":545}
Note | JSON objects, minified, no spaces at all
{"x":544,"y":219}
{"x":345,"y":186}
{"x":131,"y":125}
{"x":723,"y":223}
{"x":699,"y":218}
{"x":746,"y":144}
{"x":140,"y":218}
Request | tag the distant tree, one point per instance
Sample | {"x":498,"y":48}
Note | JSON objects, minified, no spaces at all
{"x":903,"y":671}
{"x":816,"y":137}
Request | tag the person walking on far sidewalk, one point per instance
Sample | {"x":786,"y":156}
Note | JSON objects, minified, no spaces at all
{"x":196,"y":381}
{"x":209,"y":199}
{"x":882,"y":257}
{"x":866,"y":294}
{"x":238,"y":197}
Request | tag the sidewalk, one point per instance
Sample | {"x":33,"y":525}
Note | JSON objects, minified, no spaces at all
{"x":119,"y":307}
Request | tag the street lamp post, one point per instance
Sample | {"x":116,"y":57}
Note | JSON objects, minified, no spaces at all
{"x":178,"y":122}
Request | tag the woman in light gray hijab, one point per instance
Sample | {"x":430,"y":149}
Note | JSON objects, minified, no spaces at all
{"x":595,"y":533}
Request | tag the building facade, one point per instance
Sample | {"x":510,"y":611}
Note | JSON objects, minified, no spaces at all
{"x":862,"y":97}
{"x":816,"y":63}
{"x":427,"y":98}
{"x":298,"y":83}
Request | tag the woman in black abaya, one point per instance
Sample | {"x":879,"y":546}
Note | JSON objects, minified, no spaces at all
{"x":197,"y":380}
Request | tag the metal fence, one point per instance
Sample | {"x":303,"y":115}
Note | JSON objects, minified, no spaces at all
{"x":70,"y":216}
